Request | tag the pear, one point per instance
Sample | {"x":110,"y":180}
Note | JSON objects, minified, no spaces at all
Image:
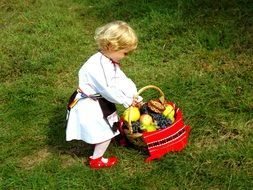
{"x":135,"y":114}
{"x":169,"y":112}
{"x":148,"y":128}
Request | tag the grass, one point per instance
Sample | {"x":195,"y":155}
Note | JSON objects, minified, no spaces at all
{"x":198,"y":52}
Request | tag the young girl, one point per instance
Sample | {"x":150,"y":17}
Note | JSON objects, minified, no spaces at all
{"x":92,"y":112}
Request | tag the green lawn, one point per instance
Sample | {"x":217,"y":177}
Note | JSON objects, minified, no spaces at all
{"x":199,"y":52}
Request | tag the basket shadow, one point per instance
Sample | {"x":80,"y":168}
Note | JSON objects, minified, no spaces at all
{"x":56,"y":137}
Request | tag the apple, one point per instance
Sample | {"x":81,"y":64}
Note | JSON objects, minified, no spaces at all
{"x":146,"y":119}
{"x":135,"y":114}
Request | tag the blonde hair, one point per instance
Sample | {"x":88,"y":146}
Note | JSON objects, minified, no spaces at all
{"x":116,"y":36}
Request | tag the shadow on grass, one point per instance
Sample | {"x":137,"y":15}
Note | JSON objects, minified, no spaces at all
{"x":187,"y":9}
{"x":210,"y":24}
{"x":56,"y":137}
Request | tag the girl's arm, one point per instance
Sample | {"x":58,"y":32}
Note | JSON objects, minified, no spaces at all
{"x":121,"y":90}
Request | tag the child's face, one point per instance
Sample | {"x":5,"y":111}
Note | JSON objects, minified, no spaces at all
{"x":118,"y":55}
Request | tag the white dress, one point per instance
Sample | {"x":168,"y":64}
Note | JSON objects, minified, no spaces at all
{"x":98,"y":75}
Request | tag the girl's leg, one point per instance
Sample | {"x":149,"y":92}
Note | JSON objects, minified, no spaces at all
{"x":100,"y":149}
{"x":97,"y":161}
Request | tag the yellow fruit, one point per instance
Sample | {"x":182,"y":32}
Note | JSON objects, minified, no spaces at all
{"x":148,"y":128}
{"x":171,"y":116}
{"x":168,"y":109}
{"x":135,"y":114}
{"x":169,"y":112}
{"x":146,"y":119}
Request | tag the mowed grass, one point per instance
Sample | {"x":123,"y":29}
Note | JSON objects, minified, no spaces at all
{"x":198,"y":52}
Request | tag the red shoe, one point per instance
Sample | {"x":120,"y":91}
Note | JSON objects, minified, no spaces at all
{"x":98,"y":163}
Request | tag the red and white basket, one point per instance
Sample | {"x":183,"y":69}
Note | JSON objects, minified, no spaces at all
{"x":162,"y":141}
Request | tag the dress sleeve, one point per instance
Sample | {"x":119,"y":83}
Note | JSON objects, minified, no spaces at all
{"x":119,"y":89}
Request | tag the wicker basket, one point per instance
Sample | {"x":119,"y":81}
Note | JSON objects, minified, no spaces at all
{"x":162,"y":141}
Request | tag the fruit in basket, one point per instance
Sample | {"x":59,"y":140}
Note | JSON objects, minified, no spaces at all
{"x":168,"y":109}
{"x":161,"y":121}
{"x":136,"y":126}
{"x":148,"y":128}
{"x":171,"y":116}
{"x":156,"y":106}
{"x":146,"y":119}
{"x":135,"y":114}
{"x":169,"y":112}
{"x":144,"y":108}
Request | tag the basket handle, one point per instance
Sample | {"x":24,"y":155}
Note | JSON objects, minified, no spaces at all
{"x":161,"y":98}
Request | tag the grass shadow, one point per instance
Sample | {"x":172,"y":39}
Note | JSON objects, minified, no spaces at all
{"x":206,"y":23}
{"x":56,"y":136}
{"x":185,"y":9}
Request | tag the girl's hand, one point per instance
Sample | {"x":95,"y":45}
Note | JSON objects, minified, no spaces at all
{"x":134,"y":103}
{"x":137,"y":101}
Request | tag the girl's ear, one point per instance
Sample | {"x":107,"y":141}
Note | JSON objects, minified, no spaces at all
{"x":110,"y":47}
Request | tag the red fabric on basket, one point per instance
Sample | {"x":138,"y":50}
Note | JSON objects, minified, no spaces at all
{"x":160,"y":142}
{"x":172,"y":138}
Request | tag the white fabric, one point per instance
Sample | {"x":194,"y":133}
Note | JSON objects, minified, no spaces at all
{"x":100,"y":149}
{"x":98,"y":75}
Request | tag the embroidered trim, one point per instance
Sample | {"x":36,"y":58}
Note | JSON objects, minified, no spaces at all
{"x":167,"y":139}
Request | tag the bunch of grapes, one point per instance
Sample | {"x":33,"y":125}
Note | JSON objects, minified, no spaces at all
{"x":161,"y":120}
{"x":144,"y":109}
{"x":136,"y":126}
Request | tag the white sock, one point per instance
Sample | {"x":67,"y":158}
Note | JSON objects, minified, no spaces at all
{"x":100,"y":149}
{"x":105,"y":160}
